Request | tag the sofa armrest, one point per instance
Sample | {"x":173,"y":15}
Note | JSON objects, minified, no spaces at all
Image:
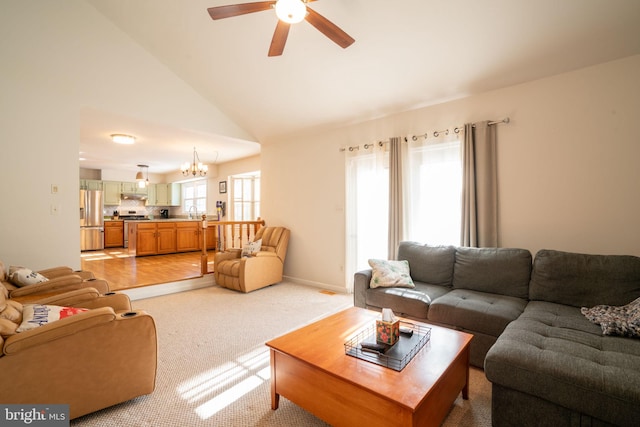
{"x":52,"y":273}
{"x":361,"y":281}
{"x":58,"y":284}
{"x":69,"y":299}
{"x":228,"y":254}
{"x":88,"y":298}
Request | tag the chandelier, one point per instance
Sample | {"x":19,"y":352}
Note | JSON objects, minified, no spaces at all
{"x":194,"y":168}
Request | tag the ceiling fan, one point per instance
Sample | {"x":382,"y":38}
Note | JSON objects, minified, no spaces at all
{"x":288,"y":12}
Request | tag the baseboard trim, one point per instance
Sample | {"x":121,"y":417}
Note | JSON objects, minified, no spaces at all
{"x":334,"y":288}
{"x":169,"y":288}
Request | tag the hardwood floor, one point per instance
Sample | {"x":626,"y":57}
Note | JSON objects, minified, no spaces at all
{"x":124,"y":272}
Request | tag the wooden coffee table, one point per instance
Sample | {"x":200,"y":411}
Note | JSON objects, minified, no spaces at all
{"x":310,"y":368}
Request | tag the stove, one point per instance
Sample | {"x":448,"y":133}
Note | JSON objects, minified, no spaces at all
{"x":132,"y":215}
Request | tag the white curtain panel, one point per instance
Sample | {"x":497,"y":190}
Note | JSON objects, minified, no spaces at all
{"x":367,"y":206}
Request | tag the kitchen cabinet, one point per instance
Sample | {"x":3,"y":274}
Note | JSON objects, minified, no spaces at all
{"x":151,"y":195}
{"x":188,"y":236}
{"x":146,"y":238}
{"x":211,"y":237}
{"x":174,"y":196}
{"x":163,"y":195}
{"x":132,"y":188}
{"x":166,"y":237}
{"x":111,"y":192}
{"x":90,"y":184}
{"x":113,"y":234}
{"x":152,"y":238}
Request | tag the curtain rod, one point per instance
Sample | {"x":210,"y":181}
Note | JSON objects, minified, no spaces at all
{"x":436,"y":134}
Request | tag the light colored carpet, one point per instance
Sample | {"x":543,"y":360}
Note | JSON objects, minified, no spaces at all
{"x":213,"y":367}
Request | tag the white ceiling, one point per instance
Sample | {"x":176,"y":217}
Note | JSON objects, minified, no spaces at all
{"x":407,"y":54}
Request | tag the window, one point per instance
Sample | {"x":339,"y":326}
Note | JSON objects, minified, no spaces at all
{"x":194,"y":196}
{"x":432,"y":186}
{"x":245,"y":197}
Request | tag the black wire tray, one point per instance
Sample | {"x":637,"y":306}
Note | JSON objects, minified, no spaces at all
{"x":395,"y":357}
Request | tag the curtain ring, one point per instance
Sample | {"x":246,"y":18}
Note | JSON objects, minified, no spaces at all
{"x":357,"y":147}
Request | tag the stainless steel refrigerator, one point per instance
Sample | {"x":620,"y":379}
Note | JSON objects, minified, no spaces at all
{"x":91,"y":220}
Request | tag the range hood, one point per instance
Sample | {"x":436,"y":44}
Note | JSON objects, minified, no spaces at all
{"x":133,"y":196}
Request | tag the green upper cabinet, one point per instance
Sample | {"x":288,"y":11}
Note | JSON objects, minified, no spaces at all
{"x":111,"y":192}
{"x":174,"y":196}
{"x":90,"y":184}
{"x":151,"y":195}
{"x":132,"y":188}
{"x":163,"y":195}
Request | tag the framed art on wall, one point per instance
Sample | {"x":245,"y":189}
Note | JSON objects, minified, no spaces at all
{"x":222,"y":187}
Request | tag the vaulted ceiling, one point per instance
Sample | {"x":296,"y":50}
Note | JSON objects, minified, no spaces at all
{"x":407,"y":54}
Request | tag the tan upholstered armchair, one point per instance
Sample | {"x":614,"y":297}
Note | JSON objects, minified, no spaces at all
{"x":263,"y":268}
{"x":89,"y":360}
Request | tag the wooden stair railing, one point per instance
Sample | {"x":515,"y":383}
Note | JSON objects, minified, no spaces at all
{"x":225,"y":235}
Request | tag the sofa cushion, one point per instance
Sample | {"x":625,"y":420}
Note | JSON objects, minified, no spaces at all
{"x":428,"y":264}
{"x":503,"y":271}
{"x":613,"y":320}
{"x":553,"y":352}
{"x":582,"y":280}
{"x":476,"y":311}
{"x":405,"y":302}
{"x":390,"y":274}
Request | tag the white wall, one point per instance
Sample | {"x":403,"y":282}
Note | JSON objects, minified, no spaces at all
{"x":58,"y":57}
{"x":568,"y":173}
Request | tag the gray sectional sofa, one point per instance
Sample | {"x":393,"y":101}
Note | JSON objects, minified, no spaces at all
{"x":548,"y":364}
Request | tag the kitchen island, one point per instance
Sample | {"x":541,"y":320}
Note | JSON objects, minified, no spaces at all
{"x":168,"y":236}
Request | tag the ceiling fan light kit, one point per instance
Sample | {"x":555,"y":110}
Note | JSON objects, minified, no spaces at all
{"x":291,"y":11}
{"x":288,"y":12}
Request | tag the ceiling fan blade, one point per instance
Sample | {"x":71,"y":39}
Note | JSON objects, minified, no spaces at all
{"x":329,"y":29}
{"x":220,"y":12}
{"x":279,"y":38}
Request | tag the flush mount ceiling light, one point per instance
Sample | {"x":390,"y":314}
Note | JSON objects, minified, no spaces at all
{"x":142,"y":183}
{"x":291,"y":11}
{"x":194,"y":168}
{"x":120,"y":138}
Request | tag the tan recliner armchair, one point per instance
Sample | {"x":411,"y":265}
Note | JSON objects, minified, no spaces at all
{"x":90,"y":360}
{"x":60,"y":280}
{"x":264,"y":268}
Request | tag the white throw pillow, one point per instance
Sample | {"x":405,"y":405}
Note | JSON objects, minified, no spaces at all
{"x":252,"y":247}
{"x":21,"y":276}
{"x":390,"y":274}
{"x":36,"y":315}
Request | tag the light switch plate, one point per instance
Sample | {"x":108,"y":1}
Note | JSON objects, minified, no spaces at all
{"x":54,"y":188}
